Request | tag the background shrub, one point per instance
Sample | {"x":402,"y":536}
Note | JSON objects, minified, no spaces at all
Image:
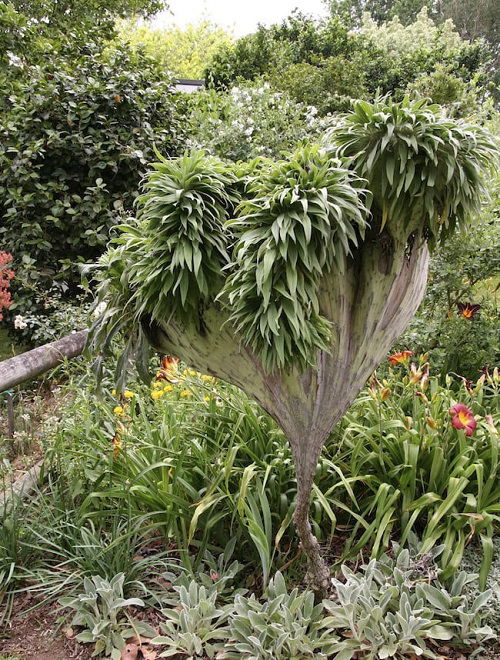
{"x":74,"y":144}
{"x":249,"y":121}
{"x":326,"y":60}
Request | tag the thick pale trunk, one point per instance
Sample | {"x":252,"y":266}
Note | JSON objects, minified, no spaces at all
{"x":369,"y":307}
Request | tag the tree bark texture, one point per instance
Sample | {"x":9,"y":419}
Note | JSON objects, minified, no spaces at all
{"x":31,"y":364}
{"x":369,"y":306}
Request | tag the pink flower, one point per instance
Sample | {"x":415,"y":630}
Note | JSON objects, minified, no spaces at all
{"x":214,"y":575}
{"x":462,"y":418}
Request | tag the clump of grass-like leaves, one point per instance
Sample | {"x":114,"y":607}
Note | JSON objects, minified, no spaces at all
{"x":183,"y":210}
{"x":300,"y":219}
{"x":421,"y":166}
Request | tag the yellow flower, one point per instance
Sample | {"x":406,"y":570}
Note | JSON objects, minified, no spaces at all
{"x":113,"y":392}
{"x":206,"y":378}
{"x":184,"y":372}
{"x":192,"y":372}
{"x":168,"y":388}
{"x":185,"y":393}
{"x":128,"y":395}
{"x":206,"y":399}
{"x":157,"y":385}
{"x":119,"y":411}
{"x":157,"y":394}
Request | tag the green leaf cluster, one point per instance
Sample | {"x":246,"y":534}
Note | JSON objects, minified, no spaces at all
{"x":301,"y":218}
{"x":100,"y":611}
{"x":181,"y":230}
{"x":395,"y":606}
{"x":422,"y":168}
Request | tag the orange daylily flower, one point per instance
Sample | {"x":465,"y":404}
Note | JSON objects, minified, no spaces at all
{"x":400,"y":358}
{"x":169,"y":369}
{"x":462,"y":418}
{"x":467,"y":310}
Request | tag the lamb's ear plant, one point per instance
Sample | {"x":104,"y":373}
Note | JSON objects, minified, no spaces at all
{"x":101,"y":611}
{"x":297,"y":293}
{"x":393,"y":607}
{"x":216,"y":575}
{"x":196,"y":625}
{"x":281,"y":626}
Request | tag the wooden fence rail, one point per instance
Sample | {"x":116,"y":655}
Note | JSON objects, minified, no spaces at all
{"x":31,"y":364}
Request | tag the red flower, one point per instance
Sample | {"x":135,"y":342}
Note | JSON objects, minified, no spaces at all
{"x":467,"y":310}
{"x":462,"y":418}
{"x":400,"y":358}
{"x":6,"y":274}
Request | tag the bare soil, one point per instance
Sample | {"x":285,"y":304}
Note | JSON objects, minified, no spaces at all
{"x":38,"y":635}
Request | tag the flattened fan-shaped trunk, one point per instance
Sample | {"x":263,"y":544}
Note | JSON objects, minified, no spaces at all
{"x":369,"y":307}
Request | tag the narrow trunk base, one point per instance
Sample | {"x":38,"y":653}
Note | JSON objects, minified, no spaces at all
{"x":318,"y":576}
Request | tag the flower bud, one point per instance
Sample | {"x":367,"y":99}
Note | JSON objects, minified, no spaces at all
{"x":490,"y":423}
{"x":415,"y":374}
{"x":431,"y":422}
{"x":385,"y":393}
{"x":423,"y":358}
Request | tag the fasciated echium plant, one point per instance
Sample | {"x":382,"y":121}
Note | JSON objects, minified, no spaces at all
{"x":292,"y":279}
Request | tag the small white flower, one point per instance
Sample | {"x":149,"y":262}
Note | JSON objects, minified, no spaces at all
{"x":14,"y":60}
{"x":99,"y":310}
{"x":19,"y":323}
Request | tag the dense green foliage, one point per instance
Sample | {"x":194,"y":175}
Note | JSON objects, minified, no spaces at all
{"x":327,"y":64}
{"x":401,"y":465}
{"x":74,"y":145}
{"x":38,"y":29}
{"x":465,"y":270}
{"x":300,"y":218}
{"x":423,"y":170}
{"x":474,"y":19}
{"x":181,"y":218}
{"x":203,"y":463}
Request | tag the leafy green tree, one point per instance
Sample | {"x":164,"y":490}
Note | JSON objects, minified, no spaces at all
{"x":272,"y":275}
{"x":297,"y":39}
{"x":380,"y":10}
{"x":328,"y":86}
{"x":473,"y":19}
{"x":186,"y":52}
{"x":76,"y":19}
